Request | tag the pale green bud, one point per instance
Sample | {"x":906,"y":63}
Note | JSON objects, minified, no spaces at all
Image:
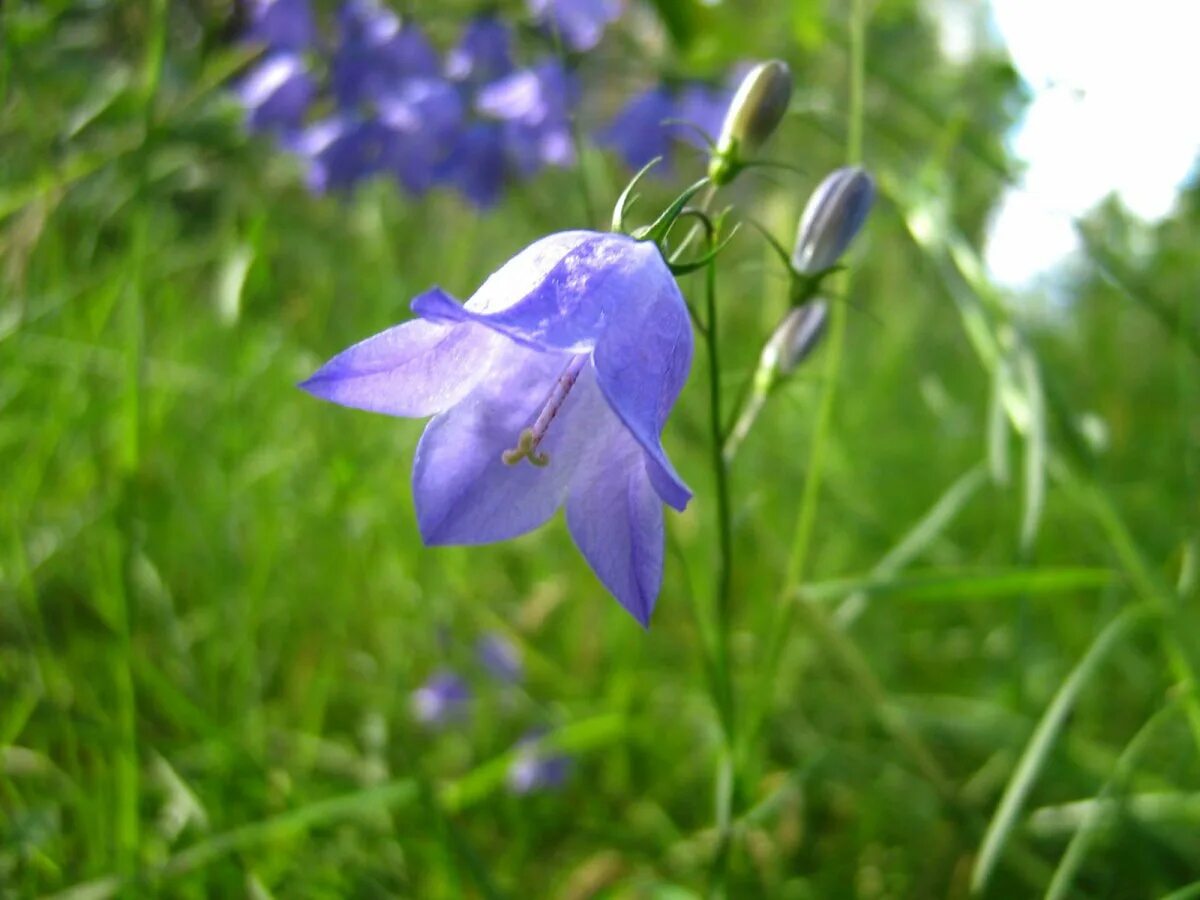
{"x":754,"y":113}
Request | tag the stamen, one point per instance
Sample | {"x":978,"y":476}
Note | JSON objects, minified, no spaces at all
{"x":531,"y":438}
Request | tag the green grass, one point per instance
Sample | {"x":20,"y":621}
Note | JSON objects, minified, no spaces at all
{"x":214,"y":603}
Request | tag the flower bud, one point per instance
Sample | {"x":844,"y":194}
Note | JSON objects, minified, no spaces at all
{"x":795,"y":337}
{"x":835,"y":213}
{"x":754,"y":113}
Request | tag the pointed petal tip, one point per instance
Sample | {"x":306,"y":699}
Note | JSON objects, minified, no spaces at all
{"x":314,"y":383}
{"x":640,"y":606}
{"x":437,"y":306}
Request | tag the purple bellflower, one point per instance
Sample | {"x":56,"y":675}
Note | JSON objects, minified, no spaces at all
{"x":549,"y":387}
{"x":423,"y":118}
{"x":340,"y":151}
{"x":641,"y":130}
{"x":282,"y":24}
{"x":703,"y":108}
{"x":579,"y":23}
{"x":650,"y":122}
{"x":483,"y":53}
{"x":277,"y":92}
{"x":498,"y":655}
{"x":535,"y":769}
{"x":535,"y":107}
{"x":440,"y":700}
{"x":478,"y":163}
{"x":376,"y":53}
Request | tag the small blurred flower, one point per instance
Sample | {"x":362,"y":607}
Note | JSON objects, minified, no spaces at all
{"x":640,"y":130}
{"x":440,"y":699}
{"x":399,"y":111}
{"x":483,"y":53}
{"x":795,"y":338}
{"x":650,"y":122}
{"x":423,"y":118}
{"x":500,"y":657}
{"x":703,"y":108}
{"x":580,"y":23}
{"x":535,"y":107}
{"x":375,"y":53}
{"x":282,"y":24}
{"x":339,"y":152}
{"x":834,"y":214}
{"x":547,"y":388}
{"x":277,"y":92}
{"x":754,"y":113}
{"x":534,"y":769}
{"x":477,"y":164}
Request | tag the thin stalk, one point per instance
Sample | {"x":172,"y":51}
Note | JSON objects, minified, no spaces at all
{"x":126,"y":819}
{"x":722,"y":601}
{"x":807,"y":515}
{"x":585,"y":190}
{"x":706,"y":200}
{"x":747,"y":414}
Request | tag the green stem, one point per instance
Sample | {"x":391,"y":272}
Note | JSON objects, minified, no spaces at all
{"x":785,"y":606}
{"x":722,"y":606}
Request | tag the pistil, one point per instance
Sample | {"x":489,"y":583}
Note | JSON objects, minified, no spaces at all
{"x":531,"y":438}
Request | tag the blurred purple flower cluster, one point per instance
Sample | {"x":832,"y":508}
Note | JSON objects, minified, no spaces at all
{"x":382,"y":101}
{"x":395,"y":107}
{"x":445,"y":699}
{"x":651,"y":122}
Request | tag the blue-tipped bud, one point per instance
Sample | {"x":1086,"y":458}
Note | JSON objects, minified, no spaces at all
{"x":835,"y":213}
{"x":753,"y":115}
{"x":795,"y":338}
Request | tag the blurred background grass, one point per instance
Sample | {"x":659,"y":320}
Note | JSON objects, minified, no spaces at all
{"x":214,"y":605}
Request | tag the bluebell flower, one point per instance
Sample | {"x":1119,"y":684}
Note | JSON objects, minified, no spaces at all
{"x":550,"y":387}
{"x":498,"y":655}
{"x":835,"y":212}
{"x":579,"y":23}
{"x":535,"y":107}
{"x":477,"y":164}
{"x":641,"y":129}
{"x":375,"y":53}
{"x":282,"y":24}
{"x":702,"y":107}
{"x":535,"y":769}
{"x":483,"y":53}
{"x":650,"y":122}
{"x":423,"y":117}
{"x":341,"y":151}
{"x":441,"y":699}
{"x":277,"y":92}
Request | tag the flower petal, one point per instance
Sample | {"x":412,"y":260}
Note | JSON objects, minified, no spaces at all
{"x":580,"y":291}
{"x":616,"y":519}
{"x":642,"y":361}
{"x":414,"y":369}
{"x":464,"y":492}
{"x":542,"y":297}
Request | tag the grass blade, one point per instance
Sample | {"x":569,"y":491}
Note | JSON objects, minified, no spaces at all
{"x":1081,"y":841}
{"x":1040,"y":744}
